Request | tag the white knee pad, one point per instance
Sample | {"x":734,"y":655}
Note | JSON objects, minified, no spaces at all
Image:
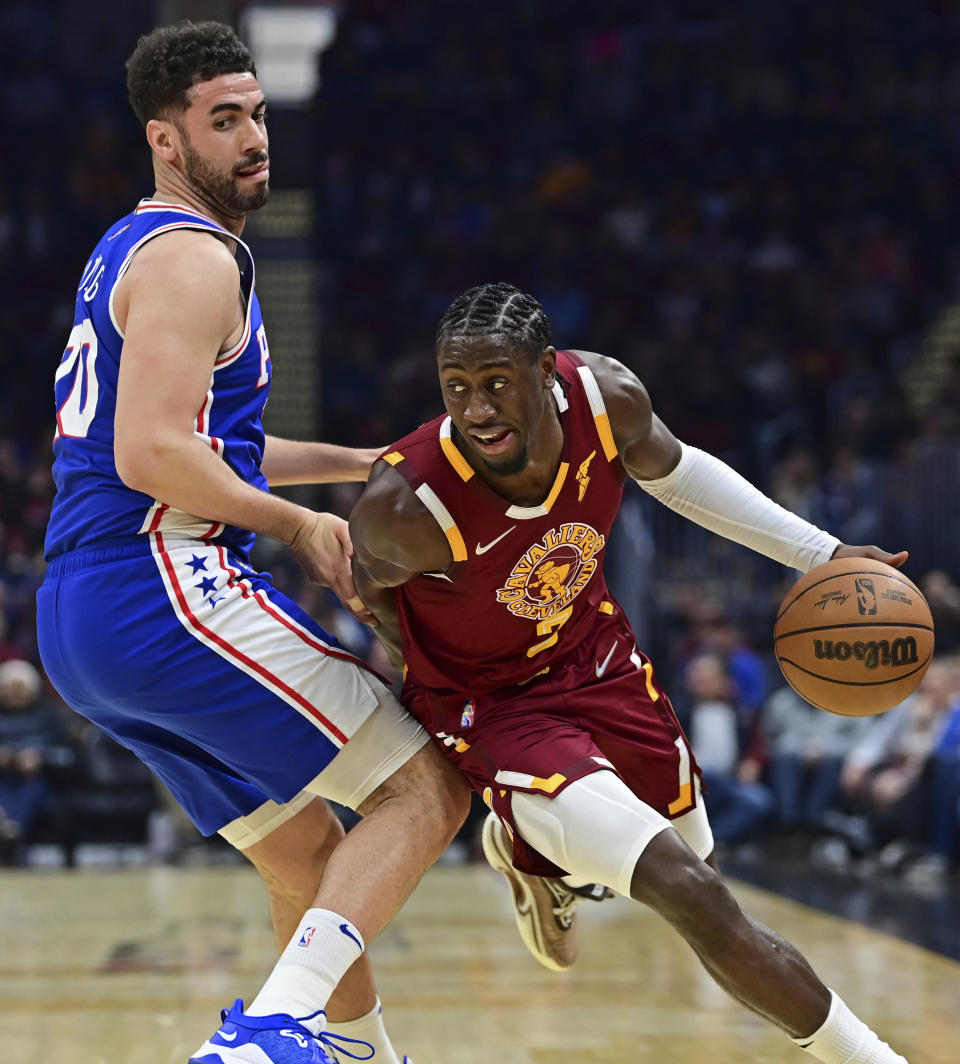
{"x":596,"y":828}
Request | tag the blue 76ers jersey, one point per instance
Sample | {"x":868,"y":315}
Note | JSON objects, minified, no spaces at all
{"x":93,"y":507}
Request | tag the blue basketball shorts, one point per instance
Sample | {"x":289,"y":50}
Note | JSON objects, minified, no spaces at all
{"x":221,"y":684}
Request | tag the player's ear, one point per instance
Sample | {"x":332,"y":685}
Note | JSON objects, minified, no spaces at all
{"x":548,"y":367}
{"x":164,"y":139}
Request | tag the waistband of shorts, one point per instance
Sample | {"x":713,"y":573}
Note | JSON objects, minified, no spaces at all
{"x":119,"y":549}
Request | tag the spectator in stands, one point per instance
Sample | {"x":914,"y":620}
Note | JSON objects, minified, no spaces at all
{"x":943,"y":796}
{"x":805,"y":749}
{"x":32,"y":739}
{"x":740,"y":806}
{"x":943,"y":596}
{"x":886,"y":776}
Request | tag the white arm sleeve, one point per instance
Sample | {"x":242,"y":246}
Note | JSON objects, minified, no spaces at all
{"x":709,"y":492}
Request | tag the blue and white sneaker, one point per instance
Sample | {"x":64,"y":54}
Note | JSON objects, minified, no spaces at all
{"x":277,"y":1039}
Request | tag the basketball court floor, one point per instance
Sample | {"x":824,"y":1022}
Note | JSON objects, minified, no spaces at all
{"x":131,"y":966}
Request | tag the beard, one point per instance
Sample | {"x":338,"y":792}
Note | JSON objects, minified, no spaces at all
{"x":221,"y":187}
{"x":509,"y":466}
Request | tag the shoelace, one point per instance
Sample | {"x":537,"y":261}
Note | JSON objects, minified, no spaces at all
{"x":568,"y":898}
{"x":565,"y":902}
{"x":329,"y":1038}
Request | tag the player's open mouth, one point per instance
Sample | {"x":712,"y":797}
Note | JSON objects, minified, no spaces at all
{"x":492,"y":442}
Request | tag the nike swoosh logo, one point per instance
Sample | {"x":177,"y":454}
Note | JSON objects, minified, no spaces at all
{"x":439,"y":576}
{"x":494,"y":542}
{"x":345,"y":928}
{"x":228,"y":1037}
{"x":602,"y":668}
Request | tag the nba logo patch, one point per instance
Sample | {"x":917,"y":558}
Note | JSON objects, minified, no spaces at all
{"x":466,"y":717}
{"x":306,"y":937}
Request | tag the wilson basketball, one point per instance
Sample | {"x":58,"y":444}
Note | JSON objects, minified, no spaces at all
{"x":854,"y":637}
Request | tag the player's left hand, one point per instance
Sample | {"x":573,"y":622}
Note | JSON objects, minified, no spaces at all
{"x":878,"y":555}
{"x":323,"y":549}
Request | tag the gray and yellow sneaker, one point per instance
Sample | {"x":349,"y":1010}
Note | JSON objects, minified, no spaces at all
{"x":545,"y":909}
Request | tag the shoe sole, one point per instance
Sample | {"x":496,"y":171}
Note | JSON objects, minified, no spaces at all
{"x":524,"y":905}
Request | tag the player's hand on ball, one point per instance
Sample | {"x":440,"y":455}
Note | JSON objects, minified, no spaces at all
{"x":323,"y":549}
{"x":878,"y":555}
{"x":854,"y":636}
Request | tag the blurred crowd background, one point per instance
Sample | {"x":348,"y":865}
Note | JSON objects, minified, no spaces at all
{"x":751,"y":207}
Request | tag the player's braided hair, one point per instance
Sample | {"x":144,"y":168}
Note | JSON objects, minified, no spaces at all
{"x":170,"y":60}
{"x":498,"y":309}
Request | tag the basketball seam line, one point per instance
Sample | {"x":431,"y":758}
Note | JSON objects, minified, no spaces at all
{"x":853,"y":624}
{"x":855,"y":683}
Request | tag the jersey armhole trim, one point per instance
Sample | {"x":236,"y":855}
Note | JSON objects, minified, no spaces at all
{"x":445,"y":520}
{"x":599,"y":410}
{"x":227,"y":356}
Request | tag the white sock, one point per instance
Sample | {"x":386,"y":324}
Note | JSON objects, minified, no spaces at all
{"x":322,"y":948}
{"x":845,"y":1039}
{"x":368,"y":1028}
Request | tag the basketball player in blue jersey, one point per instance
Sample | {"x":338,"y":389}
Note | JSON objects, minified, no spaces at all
{"x":479,"y":546}
{"x":152,"y":622}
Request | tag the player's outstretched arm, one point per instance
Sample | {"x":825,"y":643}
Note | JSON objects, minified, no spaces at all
{"x":395,"y":539}
{"x":299,"y":462}
{"x":701,"y":487}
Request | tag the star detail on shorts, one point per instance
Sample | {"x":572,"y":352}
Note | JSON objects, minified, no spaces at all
{"x":197,"y":563}
{"x":214,"y":601}
{"x":207,"y":585}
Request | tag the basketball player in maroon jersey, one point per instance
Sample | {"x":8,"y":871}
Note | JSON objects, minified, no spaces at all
{"x":479,"y":547}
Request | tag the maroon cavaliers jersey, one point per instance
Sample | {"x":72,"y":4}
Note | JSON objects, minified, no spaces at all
{"x":526,"y":584}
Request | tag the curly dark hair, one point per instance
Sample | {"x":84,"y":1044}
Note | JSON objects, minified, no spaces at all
{"x":170,"y":60}
{"x":498,"y":309}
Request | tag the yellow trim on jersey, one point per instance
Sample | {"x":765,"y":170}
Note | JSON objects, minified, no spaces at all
{"x":599,"y":410}
{"x":529,"y":679}
{"x":684,"y":802}
{"x":558,"y":484}
{"x":461,"y":747}
{"x":393,"y":458}
{"x":606,"y":436}
{"x":522,"y":781}
{"x":445,"y":520}
{"x":548,"y":786}
{"x":525,"y":513}
{"x":606,"y":607}
{"x":462,"y":467}
{"x":455,"y":539}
